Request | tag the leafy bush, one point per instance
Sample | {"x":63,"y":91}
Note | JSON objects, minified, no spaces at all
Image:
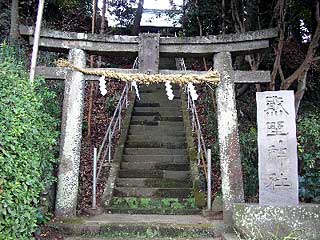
{"x":27,"y":147}
{"x":111,"y":104}
{"x":249,"y":160}
{"x":309,"y":156}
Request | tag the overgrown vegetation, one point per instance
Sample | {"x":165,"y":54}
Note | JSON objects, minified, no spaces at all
{"x":28,"y":137}
{"x":150,"y":203}
{"x":309,"y":156}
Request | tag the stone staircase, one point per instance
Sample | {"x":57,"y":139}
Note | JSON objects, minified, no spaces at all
{"x":154,"y":176}
{"x":153,"y":194}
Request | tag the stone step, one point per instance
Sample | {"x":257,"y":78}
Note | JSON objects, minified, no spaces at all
{"x":146,"y":104}
{"x":153,"y":182}
{"x":156,"y":123}
{"x":154,"y":151}
{"x":157,"y":130}
{"x":137,"y":226}
{"x":167,"y":111}
{"x":163,"y":174}
{"x":155,"y":137}
{"x":160,"y":96}
{"x":134,"y":113}
{"x":155,"y":165}
{"x":133,"y":238}
{"x":156,"y":144}
{"x":155,"y":159}
{"x":154,"y":211}
{"x":152,"y":112}
{"x":145,"y":205}
{"x":152,"y":192}
{"x":157,"y":118}
{"x":152,"y":100}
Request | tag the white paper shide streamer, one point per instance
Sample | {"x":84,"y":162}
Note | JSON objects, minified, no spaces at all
{"x":192,"y":92}
{"x":135,"y":85}
{"x":102,"y":85}
{"x":169,"y":90}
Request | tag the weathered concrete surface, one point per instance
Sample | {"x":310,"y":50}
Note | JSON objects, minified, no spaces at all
{"x":231,"y":173}
{"x":217,"y":205}
{"x":277,"y":145}
{"x":183,"y":50}
{"x":241,"y":42}
{"x":127,"y":224}
{"x":252,"y":77}
{"x":262,"y":222}
{"x":60,"y":73}
{"x":165,"y":219}
{"x":71,"y":133}
{"x":226,"y":38}
{"x":149,"y":53}
{"x":230,"y":236}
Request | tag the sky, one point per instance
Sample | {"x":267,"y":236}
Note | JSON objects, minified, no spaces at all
{"x":160,"y":4}
{"x":151,"y":19}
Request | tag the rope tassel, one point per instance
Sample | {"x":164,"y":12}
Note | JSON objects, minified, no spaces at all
{"x":102,"y":85}
{"x":169,"y":90}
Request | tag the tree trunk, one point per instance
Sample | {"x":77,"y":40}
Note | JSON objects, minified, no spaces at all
{"x":93,"y":28}
{"x":137,"y":19}
{"x":301,"y":88}
{"x":104,"y":20}
{"x":223,"y":16}
{"x":103,"y":26}
{"x":94,"y":15}
{"x":14,"y":27}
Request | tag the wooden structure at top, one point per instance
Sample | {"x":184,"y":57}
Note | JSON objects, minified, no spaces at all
{"x":150,"y":48}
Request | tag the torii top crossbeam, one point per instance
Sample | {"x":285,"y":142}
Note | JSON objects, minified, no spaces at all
{"x":168,"y":46}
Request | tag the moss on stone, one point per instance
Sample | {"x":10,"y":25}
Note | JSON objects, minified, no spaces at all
{"x":200,"y":199}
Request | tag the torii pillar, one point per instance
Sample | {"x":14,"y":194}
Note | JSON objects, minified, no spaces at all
{"x":70,"y":141}
{"x":231,"y":173}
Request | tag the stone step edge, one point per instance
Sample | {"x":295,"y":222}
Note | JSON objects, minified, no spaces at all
{"x":153,"y":211}
{"x":98,"y":228}
{"x":134,"y":238}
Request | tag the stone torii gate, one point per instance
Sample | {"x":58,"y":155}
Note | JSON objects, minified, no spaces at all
{"x":150,"y":48}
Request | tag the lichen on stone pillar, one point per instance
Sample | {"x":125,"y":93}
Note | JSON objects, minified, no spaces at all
{"x":71,"y":133}
{"x":231,"y":173}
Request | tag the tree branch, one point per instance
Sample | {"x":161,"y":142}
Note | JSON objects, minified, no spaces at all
{"x":280,"y":14}
{"x":310,"y":54}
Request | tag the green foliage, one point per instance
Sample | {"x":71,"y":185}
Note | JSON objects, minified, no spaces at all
{"x":207,"y":12}
{"x":309,"y":189}
{"x":150,"y":203}
{"x":4,"y":20}
{"x":111,"y":104}
{"x":124,"y":11}
{"x":309,"y":156}
{"x":27,"y":148}
{"x":249,"y":160}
